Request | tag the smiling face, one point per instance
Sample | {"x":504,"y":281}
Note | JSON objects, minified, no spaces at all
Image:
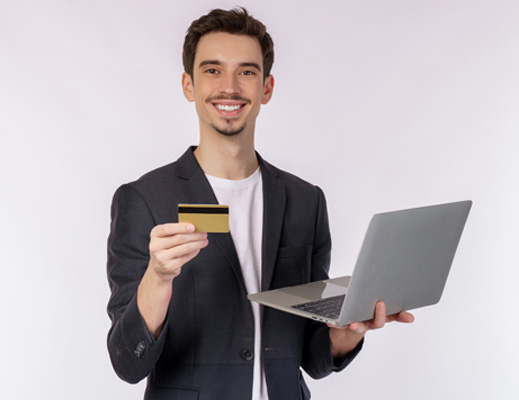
{"x":227,"y":85}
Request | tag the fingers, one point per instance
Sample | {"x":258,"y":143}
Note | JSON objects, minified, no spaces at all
{"x":172,"y":245}
{"x":379,"y":321}
{"x":376,"y":323}
{"x":168,"y":236}
{"x":358,"y":327}
{"x":380,"y":316}
{"x":403,"y":316}
{"x":166,"y":230}
{"x":180,"y":252}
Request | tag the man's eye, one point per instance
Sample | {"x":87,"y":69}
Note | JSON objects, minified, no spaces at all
{"x":248,"y":72}
{"x":211,"y":71}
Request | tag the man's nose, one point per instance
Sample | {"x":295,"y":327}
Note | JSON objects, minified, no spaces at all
{"x":229,"y":84}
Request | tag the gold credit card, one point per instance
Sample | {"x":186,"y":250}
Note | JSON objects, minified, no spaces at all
{"x":212,"y":218}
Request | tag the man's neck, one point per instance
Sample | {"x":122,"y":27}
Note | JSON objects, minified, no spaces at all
{"x":227,"y":159}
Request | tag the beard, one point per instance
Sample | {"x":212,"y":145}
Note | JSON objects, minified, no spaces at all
{"x":229,"y":131}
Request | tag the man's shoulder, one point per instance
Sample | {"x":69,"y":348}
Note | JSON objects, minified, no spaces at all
{"x":168,"y":174}
{"x":157,"y":175}
{"x":150,"y":189}
{"x":158,"y":189}
{"x":151,"y":182}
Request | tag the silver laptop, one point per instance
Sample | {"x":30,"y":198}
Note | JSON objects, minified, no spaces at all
{"x":404,"y":261}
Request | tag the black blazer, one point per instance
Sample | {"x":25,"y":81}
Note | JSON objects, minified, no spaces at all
{"x":205,"y":350}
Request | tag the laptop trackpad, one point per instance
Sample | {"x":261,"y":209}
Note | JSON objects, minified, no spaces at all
{"x":316,"y":290}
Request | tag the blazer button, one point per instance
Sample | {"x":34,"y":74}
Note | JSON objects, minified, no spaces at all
{"x":247,"y":355}
{"x":139,"y":350}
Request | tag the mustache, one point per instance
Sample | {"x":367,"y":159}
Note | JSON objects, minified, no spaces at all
{"x":233,"y":97}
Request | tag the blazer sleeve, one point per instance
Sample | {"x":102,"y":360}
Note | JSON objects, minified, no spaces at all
{"x":317,"y":358}
{"x":133,"y":350}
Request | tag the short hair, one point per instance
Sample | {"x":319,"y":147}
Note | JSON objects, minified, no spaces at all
{"x":235,"y":21}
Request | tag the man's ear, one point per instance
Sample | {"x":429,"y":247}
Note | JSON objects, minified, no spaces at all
{"x":268,"y":89}
{"x":187,"y":87}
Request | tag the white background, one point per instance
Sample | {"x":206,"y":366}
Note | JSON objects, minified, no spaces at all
{"x":384,"y":104}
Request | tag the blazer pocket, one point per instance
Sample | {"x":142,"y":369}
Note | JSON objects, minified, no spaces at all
{"x":293,"y":266}
{"x":295,"y":251}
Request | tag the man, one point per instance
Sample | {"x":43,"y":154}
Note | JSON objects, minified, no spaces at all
{"x":178,"y":307}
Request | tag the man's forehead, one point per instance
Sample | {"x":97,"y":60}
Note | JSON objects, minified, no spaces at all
{"x":227,"y":47}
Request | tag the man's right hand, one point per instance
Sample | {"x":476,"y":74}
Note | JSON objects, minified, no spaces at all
{"x":171,"y":246}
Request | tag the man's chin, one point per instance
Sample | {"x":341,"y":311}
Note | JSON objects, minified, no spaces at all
{"x":229,"y":131}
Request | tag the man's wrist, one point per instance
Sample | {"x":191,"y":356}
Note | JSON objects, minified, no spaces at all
{"x":343,"y":341}
{"x":153,"y":296}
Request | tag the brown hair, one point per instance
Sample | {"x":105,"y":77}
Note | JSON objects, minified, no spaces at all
{"x":236,"y":21}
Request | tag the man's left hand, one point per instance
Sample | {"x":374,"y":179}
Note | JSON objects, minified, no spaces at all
{"x":345,"y":339}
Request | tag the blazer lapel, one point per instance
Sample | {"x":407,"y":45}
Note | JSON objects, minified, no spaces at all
{"x":198,"y":190}
{"x":274,"y":200}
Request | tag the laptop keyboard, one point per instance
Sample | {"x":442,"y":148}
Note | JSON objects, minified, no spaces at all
{"x":329,"y":307}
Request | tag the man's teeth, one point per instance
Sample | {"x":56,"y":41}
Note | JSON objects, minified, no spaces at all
{"x":223,"y":107}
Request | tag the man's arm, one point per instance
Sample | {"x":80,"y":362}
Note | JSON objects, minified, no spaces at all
{"x":139,"y":299}
{"x":171,"y":246}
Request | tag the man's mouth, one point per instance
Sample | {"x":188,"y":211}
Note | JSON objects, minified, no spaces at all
{"x":228,"y":107}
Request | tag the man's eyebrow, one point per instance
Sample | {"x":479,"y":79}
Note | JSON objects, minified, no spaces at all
{"x":209,"y":62}
{"x":251,"y":64}
{"x":216,"y":62}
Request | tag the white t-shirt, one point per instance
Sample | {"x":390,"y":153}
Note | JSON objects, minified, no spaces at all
{"x":245,"y":200}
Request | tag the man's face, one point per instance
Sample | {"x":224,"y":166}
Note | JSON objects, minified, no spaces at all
{"x":227,"y":84}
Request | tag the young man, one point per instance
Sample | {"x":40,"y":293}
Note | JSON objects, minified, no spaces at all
{"x":179,"y":310}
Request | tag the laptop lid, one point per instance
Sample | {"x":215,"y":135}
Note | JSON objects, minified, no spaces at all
{"x":404,"y":260}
